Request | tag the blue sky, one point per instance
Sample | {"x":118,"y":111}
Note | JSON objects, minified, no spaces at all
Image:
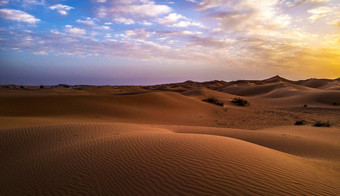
{"x":146,"y":42}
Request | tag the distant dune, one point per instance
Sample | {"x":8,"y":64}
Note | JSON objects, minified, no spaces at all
{"x":164,"y":140}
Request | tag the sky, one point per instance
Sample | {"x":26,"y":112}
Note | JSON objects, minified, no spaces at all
{"x":131,"y":42}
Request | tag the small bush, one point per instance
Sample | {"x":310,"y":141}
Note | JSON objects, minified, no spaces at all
{"x":21,"y":87}
{"x":322,"y":124}
{"x":300,"y":122}
{"x":241,"y":102}
{"x":305,"y":106}
{"x":334,"y":103}
{"x":63,"y":85}
{"x":213,"y":100}
{"x":41,"y":86}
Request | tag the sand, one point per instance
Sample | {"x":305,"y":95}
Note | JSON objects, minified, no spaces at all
{"x":164,"y":140}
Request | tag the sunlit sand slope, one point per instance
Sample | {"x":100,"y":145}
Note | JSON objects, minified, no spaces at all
{"x":128,"y":159}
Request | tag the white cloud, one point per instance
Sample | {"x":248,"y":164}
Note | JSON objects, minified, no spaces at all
{"x":137,"y":10}
{"x":184,"y":24}
{"x":41,"y":53}
{"x":178,"y":20}
{"x":170,"y":19}
{"x":61,"y":9}
{"x":146,"y":23}
{"x":33,"y":2}
{"x":88,"y":21}
{"x":140,"y":34}
{"x":73,"y":30}
{"x":91,"y":22}
{"x":103,"y":27}
{"x":17,"y":15}
{"x":126,"y":21}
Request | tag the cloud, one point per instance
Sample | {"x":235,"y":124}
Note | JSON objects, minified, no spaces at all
{"x":250,"y":52}
{"x":295,"y":3}
{"x":88,"y":21}
{"x":73,"y":41}
{"x":247,"y":16}
{"x":319,"y":12}
{"x":126,"y":21}
{"x":61,"y":9}
{"x":336,"y":23}
{"x":136,"y":10}
{"x":255,"y":35}
{"x":91,"y":22}
{"x":178,"y":20}
{"x":145,"y":23}
{"x":33,"y":2}
{"x":140,"y":34}
{"x":17,"y":15}
{"x":184,"y":24}
{"x":211,"y":42}
{"x":73,"y":30}
{"x":170,"y":19}
{"x":3,"y":2}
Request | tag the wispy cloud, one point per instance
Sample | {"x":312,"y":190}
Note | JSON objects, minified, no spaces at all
{"x":61,"y":9}
{"x":73,"y":30}
{"x":18,"y":15}
{"x":127,"y":21}
{"x":91,"y":22}
{"x":319,"y":12}
{"x":3,"y":2}
{"x":135,"y":10}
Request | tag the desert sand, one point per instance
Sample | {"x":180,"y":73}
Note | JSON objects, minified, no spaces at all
{"x":164,"y":140}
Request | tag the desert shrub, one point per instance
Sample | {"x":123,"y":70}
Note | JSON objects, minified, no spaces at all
{"x":21,"y":87}
{"x":63,"y":85}
{"x":322,"y":124}
{"x":300,"y":122}
{"x":213,"y":100}
{"x":305,"y":105}
{"x":334,"y":103}
{"x":41,"y":86}
{"x":240,"y":101}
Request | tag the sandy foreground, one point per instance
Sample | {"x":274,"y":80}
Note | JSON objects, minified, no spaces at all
{"x":164,"y":140}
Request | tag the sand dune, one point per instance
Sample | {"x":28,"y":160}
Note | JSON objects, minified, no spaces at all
{"x":164,"y":140}
{"x":318,"y":83}
{"x":135,"y":159}
{"x":311,"y":142}
{"x":136,"y":107}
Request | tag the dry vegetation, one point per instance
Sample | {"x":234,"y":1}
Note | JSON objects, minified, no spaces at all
{"x":240,"y":101}
{"x":214,"y":100}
